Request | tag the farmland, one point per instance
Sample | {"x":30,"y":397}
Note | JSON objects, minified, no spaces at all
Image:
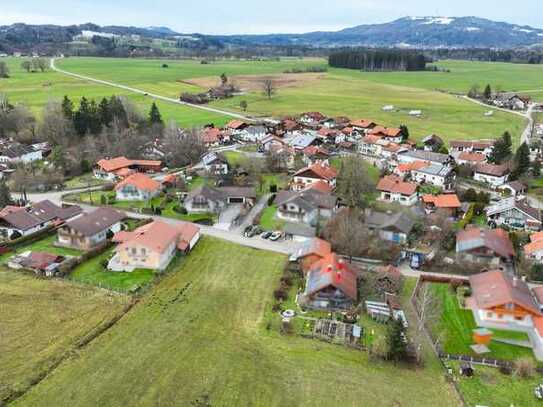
{"x":42,"y":321}
{"x":339,"y":91}
{"x":200,"y":334}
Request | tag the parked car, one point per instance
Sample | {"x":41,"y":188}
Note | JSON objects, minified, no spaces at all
{"x":247,"y":230}
{"x":276,"y":236}
{"x":254,"y":231}
{"x":266,"y":235}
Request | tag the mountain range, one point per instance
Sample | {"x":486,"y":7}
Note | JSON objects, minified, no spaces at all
{"x":408,"y":32}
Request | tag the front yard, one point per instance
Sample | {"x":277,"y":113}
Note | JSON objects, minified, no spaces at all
{"x":268,"y":220}
{"x":455,"y":330}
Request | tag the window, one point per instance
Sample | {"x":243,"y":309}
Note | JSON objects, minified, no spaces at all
{"x":489,"y":314}
{"x":510,"y":306}
{"x":133,"y":251}
{"x":143,"y":251}
{"x":519,"y":318}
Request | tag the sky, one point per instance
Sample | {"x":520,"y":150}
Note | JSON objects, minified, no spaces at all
{"x":257,"y":16}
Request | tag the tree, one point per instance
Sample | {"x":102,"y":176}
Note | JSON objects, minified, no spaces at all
{"x":67,"y":108}
{"x":182,"y":148}
{"x":82,"y":117}
{"x":243,"y":105}
{"x":487,"y":93}
{"x":55,"y":126}
{"x":26,"y":65}
{"x":428,"y":308}
{"x":536,"y":168}
{"x":4,"y":70}
{"x":104,"y":113}
{"x":41,"y":64}
{"x":353,"y":182}
{"x":268,"y":87}
{"x":474,"y":92}
{"x":502,"y":149}
{"x":405,"y":132}
{"x":154,"y":115}
{"x":224,"y":79}
{"x":5,"y":194}
{"x":348,"y":233}
{"x":397,"y":341}
{"x":522,"y":161}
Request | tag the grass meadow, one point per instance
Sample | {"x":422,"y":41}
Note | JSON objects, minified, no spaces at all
{"x":200,"y":334}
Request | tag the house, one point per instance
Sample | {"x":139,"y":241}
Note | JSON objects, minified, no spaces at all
{"x":19,"y":153}
{"x":471,"y":159}
{"x":515,"y":214}
{"x":439,"y":175}
{"x":39,"y":262}
{"x":514,"y":188}
{"x":393,"y":189}
{"x":432,"y":143}
{"x":487,"y":246}
{"x":363,"y":125}
{"x":392,"y":227}
{"x":534,"y":249}
{"x":394,"y":135}
{"x":121,"y":167}
{"x":236,"y":126}
{"x":314,"y":154}
{"x":307,"y":206}
{"x":311,"y":252}
{"x":311,"y":118}
{"x":371,"y":146}
{"x":252,"y":134}
{"x":390,"y":150}
{"x":137,"y":187}
{"x":404,"y":170}
{"x":152,"y":246}
{"x":511,"y":101}
{"x":428,"y":156}
{"x":23,"y":221}
{"x":492,"y":174}
{"x":212,"y":136}
{"x":215,"y":163}
{"x":499,"y":300}
{"x":90,"y":230}
{"x":314,"y":173}
{"x":301,"y":140}
{"x":331,"y":284}
{"x":214,"y":200}
{"x":443,"y":202}
{"x":299,"y":232}
{"x":484,"y":147}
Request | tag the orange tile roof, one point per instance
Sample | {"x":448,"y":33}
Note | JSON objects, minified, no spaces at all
{"x":235,"y":124}
{"x":443,"y":200}
{"x":362,"y":123}
{"x":320,"y":186}
{"x":415,"y":165}
{"x":322,"y":170}
{"x":334,"y":271}
{"x":118,"y":163}
{"x":534,"y":237}
{"x":140,"y":181}
{"x":473,"y":157}
{"x":394,"y":184}
{"x":533,"y":247}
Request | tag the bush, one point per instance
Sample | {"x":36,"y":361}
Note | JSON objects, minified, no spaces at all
{"x":104,"y":263}
{"x":506,"y":370}
{"x":103,"y":200}
{"x":180,"y":209}
{"x":273,"y":189}
{"x":271,"y":199}
{"x":524,"y":367}
{"x":280,"y":294}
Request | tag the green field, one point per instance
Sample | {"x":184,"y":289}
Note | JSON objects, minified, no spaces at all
{"x":200,"y":332}
{"x":341,"y":91}
{"x":43,"y":320}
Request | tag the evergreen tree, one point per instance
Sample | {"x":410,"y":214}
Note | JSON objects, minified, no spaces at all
{"x":104,"y":113}
{"x":95,"y":125}
{"x":502,"y":149}
{"x":396,"y":340}
{"x":405,"y":132}
{"x":536,"y":168}
{"x":82,"y":117}
{"x":67,"y":108}
{"x":5,"y":194}
{"x":522,"y":161}
{"x":154,"y":115}
{"x":118,"y":111}
{"x":487,"y":93}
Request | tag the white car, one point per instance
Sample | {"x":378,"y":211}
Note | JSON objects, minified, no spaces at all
{"x":276,"y":236}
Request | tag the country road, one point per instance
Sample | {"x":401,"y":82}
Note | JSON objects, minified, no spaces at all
{"x":151,"y":95}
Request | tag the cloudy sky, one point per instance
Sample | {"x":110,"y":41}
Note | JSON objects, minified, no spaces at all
{"x":257,"y":16}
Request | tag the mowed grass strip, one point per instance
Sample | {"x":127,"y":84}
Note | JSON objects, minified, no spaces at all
{"x":201,"y":331}
{"x":41,"y":321}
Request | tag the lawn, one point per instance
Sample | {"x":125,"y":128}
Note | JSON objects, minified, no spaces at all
{"x":93,"y":272}
{"x":489,"y":387}
{"x":200,"y":333}
{"x":279,"y":180}
{"x":83,"y":181}
{"x":268,"y":221}
{"x":373,"y":171}
{"x":47,"y":245}
{"x":41,"y":321}
{"x":36,"y":89}
{"x":455,"y":328}
{"x":341,"y":91}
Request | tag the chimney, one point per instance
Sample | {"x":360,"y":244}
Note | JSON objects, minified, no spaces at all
{"x":515,"y":281}
{"x":329,"y":268}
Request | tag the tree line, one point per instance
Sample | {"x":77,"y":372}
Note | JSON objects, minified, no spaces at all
{"x":378,"y":60}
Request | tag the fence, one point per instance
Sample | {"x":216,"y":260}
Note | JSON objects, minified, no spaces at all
{"x":476,"y":360}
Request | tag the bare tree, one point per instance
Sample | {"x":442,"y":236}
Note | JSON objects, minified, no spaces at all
{"x":353,"y":183}
{"x":4,"y":70}
{"x":428,"y":308}
{"x":182,"y":147}
{"x":54,"y":126}
{"x":269,"y":87}
{"x":348,"y":234}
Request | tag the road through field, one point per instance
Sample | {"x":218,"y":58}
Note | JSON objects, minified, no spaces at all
{"x":152,"y":95}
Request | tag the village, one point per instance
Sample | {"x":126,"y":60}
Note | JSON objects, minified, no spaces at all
{"x":364,"y":213}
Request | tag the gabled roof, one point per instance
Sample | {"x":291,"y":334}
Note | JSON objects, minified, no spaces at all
{"x":320,"y":186}
{"x":318,"y":170}
{"x":236,"y":124}
{"x":386,"y":132}
{"x":117,"y":163}
{"x":427,"y":156}
{"x":432,"y":139}
{"x":211,"y":135}
{"x":38,"y":213}
{"x":443,"y":200}
{"x":479,"y":145}
{"x":496,"y":240}
{"x":308,"y":199}
{"x":211,"y":157}
{"x":315,"y":116}
{"x":316,"y":247}
{"x":363,"y":124}
{"x":415,"y":165}
{"x":496,"y":288}
{"x":316,"y":150}
{"x":140,"y":181}
{"x":394,"y":184}
{"x":332,"y":271}
{"x":492,"y":169}
{"x":398,"y":221}
{"x":508,"y":204}
{"x":97,"y":221}
{"x":472,"y":157}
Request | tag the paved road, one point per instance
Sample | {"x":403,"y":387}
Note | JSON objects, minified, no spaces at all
{"x":152,"y":95}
